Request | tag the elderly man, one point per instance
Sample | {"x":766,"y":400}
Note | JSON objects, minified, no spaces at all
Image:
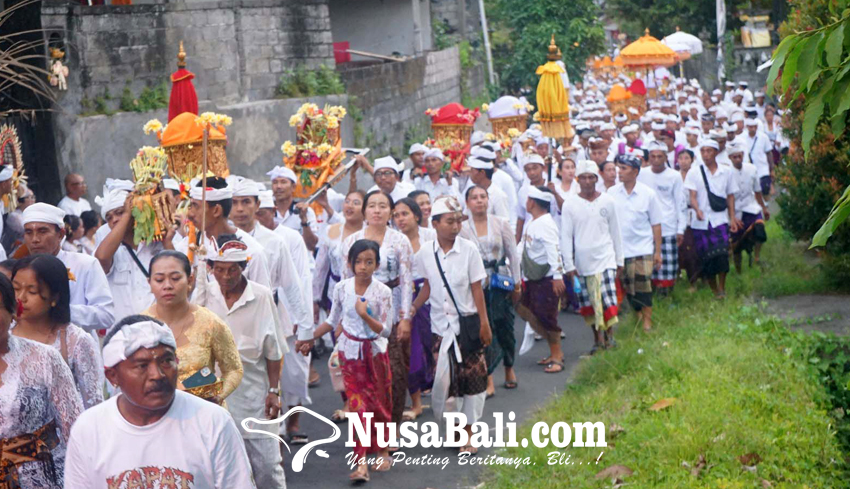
{"x":249,"y":311}
{"x":593,"y":251}
{"x":750,"y":209}
{"x":712,"y":189}
{"x":385,"y":173}
{"x":436,"y":182}
{"x":91,"y":300}
{"x":639,"y":214}
{"x":75,"y":188}
{"x":152,"y":434}
{"x":296,"y":216}
{"x":124,"y":262}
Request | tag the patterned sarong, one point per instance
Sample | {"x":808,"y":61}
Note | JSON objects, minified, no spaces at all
{"x":753,"y":232}
{"x":712,"y":246}
{"x":500,"y":312}
{"x":422,"y":363}
{"x":669,"y":271}
{"x":368,"y":386}
{"x":598,"y":299}
{"x":539,"y":297}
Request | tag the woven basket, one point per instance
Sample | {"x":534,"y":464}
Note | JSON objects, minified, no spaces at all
{"x":186,"y":160}
{"x":501,"y":125}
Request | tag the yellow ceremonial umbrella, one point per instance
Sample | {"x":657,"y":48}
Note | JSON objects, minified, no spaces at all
{"x":552,"y":101}
{"x":648,"y":52}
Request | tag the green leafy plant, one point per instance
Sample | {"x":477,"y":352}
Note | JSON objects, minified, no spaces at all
{"x":128,"y":102}
{"x":443,"y":37}
{"x":812,"y":63}
{"x":302,"y":82}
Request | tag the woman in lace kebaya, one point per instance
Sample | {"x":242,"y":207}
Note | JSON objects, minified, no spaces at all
{"x":363,"y":307}
{"x":44,"y":315}
{"x":38,"y":405}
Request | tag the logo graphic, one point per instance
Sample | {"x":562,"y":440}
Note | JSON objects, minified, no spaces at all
{"x":301,"y":455}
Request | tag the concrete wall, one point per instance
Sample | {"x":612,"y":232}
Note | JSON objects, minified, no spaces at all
{"x":380,"y":26}
{"x":462,"y":16}
{"x":237,"y":49}
{"x":394,"y":96}
{"x":102,"y":146}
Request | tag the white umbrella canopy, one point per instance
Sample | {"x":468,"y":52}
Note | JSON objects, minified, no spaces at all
{"x":680,"y":39}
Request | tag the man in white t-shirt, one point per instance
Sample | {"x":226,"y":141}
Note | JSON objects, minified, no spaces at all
{"x":73,"y":202}
{"x":759,"y":150}
{"x":750,"y":209}
{"x":712,"y":227}
{"x":151,"y":434}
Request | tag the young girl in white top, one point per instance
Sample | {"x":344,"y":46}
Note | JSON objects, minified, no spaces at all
{"x":362,"y":307}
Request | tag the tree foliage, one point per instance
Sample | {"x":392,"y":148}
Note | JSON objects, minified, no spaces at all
{"x":812,"y":64}
{"x":662,"y":18}
{"x":522,"y":31}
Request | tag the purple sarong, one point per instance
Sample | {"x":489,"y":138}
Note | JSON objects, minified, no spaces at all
{"x":422,"y":363}
{"x":712,"y":246}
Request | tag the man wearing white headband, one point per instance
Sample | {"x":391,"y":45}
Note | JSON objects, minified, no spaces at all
{"x":249,"y":311}
{"x":760,"y":153}
{"x":385,"y":173}
{"x":750,"y":210}
{"x":535,"y":169}
{"x":436,"y":182}
{"x":219,"y":203}
{"x":91,"y":300}
{"x":292,"y":279}
{"x":296,"y":216}
{"x":151,"y":431}
{"x":453,"y":271}
{"x":593,"y":251}
{"x":75,"y":188}
{"x":416,"y":158}
{"x":714,"y":220}
{"x":543,"y":273}
{"x":125,"y":263}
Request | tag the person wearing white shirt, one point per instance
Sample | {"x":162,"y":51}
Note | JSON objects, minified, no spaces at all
{"x":506,"y":199}
{"x":6,"y":173}
{"x":669,"y":188}
{"x":416,"y":156}
{"x":297,"y":216}
{"x":219,"y":202}
{"x":481,"y":175}
{"x":435,"y":182}
{"x":453,"y":271}
{"x":151,"y":431}
{"x":711,"y":227}
{"x":534,"y":168}
{"x":385,"y":173}
{"x":639,"y":213}
{"x":543,"y":272}
{"x":759,"y":150}
{"x":91,"y":300}
{"x":73,"y":203}
{"x":249,"y":311}
{"x":593,"y":251}
{"x":125,"y":263}
{"x":750,"y":210}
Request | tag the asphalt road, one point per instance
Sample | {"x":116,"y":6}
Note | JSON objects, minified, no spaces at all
{"x":535,"y":388}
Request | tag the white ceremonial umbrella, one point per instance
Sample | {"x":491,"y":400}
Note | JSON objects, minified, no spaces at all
{"x":693,"y":43}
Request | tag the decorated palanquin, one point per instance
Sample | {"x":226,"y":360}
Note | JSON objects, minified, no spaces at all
{"x":183,"y":142}
{"x":317,"y":153}
{"x":508,"y":113}
{"x":618,"y":99}
{"x":452,"y":127}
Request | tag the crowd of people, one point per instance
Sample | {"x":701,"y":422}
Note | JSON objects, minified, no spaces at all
{"x":123,"y":364}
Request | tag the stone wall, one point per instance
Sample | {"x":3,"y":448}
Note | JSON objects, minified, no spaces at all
{"x":102,"y":146}
{"x":462,"y":16}
{"x":237,"y":49}
{"x":394,"y":96}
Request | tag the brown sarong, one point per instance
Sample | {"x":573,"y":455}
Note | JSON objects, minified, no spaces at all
{"x":539,"y":297}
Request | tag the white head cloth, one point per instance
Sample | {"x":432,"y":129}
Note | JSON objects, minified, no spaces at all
{"x":213,"y":194}
{"x":233,"y":254}
{"x":433,"y":153}
{"x":587,"y":166}
{"x":171,"y":184}
{"x":417,"y":148}
{"x":474,"y":162}
{"x":116,"y":184}
{"x":536,"y":193}
{"x":532,"y":159}
{"x":128,"y":340}
{"x":282,"y":172}
{"x":445,"y":205}
{"x":41,"y":212}
{"x":386,"y":162}
{"x":111,"y":201}
{"x":266,"y":199}
{"x":6,"y":173}
{"x":246,"y":188}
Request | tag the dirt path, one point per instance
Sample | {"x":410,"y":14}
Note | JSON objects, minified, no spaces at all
{"x":826,"y":313}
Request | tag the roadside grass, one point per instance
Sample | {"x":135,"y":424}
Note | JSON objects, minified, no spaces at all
{"x":741,"y":383}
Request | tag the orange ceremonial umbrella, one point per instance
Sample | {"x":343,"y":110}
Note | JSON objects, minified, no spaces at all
{"x":648,"y":52}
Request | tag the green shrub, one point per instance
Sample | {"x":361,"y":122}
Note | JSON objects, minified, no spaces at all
{"x":302,"y":82}
{"x":443,"y":37}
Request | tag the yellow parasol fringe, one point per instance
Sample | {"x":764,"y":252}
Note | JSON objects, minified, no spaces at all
{"x":552,"y":102}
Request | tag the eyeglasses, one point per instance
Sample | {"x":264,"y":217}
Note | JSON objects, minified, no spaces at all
{"x":384,"y":174}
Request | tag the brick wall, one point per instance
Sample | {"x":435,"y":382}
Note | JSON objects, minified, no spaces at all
{"x":238,"y":49}
{"x":394,"y":96}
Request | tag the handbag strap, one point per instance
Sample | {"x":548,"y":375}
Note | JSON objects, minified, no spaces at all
{"x":704,"y":178}
{"x":445,"y":282}
{"x":136,"y":259}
